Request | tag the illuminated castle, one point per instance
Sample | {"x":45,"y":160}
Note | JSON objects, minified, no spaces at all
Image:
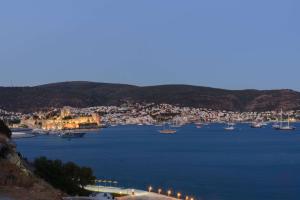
{"x":67,"y":120}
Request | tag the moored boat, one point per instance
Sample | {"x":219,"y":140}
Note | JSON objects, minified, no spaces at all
{"x":256,"y":125}
{"x":230,"y":127}
{"x":17,"y":135}
{"x":72,"y":135}
{"x":167,"y":131}
{"x":287,"y":127}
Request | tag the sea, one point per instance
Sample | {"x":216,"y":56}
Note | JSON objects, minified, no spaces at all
{"x":207,"y":164}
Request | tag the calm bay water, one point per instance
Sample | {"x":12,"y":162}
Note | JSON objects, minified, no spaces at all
{"x":209,"y":163}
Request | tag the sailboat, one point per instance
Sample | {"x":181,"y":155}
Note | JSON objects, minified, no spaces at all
{"x":285,"y":127}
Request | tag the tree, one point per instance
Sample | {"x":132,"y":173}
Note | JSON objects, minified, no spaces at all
{"x":67,"y":177}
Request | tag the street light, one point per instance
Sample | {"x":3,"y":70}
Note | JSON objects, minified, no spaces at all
{"x":178,"y":195}
{"x":150,"y":188}
{"x":159,"y":191}
{"x":192,"y":198}
{"x":187,"y":198}
{"x":169,"y":192}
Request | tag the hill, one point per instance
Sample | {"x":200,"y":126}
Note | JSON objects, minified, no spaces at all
{"x":85,"y":94}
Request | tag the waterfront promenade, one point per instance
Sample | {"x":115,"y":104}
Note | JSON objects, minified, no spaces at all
{"x":138,"y":194}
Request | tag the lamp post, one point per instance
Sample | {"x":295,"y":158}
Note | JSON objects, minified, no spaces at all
{"x":169,"y":192}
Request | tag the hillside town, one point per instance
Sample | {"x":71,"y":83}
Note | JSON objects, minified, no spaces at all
{"x":133,"y":113}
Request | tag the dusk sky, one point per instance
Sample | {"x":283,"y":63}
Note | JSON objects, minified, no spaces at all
{"x":231,"y":44}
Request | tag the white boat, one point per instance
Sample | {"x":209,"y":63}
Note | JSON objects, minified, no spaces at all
{"x":230,"y":127}
{"x":275,"y":126}
{"x":256,"y":125}
{"x":17,"y":135}
{"x":40,"y":131}
{"x":264,"y":123}
{"x":287,"y":127}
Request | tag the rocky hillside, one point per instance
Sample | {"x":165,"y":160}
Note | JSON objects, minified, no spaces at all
{"x":17,"y":181}
{"x":84,"y":94}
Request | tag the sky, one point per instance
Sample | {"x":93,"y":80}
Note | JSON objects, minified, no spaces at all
{"x":232,"y":44}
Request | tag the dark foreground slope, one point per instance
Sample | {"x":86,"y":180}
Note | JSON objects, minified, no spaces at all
{"x":84,"y":94}
{"x":16,"y":179}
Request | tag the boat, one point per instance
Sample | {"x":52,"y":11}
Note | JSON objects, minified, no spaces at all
{"x":18,"y":135}
{"x":39,"y":131}
{"x":275,"y":126}
{"x":287,"y":127}
{"x":72,"y":134}
{"x":264,"y":124}
{"x":256,"y":125}
{"x":167,"y":130}
{"x":230,"y":127}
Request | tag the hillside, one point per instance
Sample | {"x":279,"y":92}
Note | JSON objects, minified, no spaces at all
{"x":84,"y":94}
{"x":17,"y":181}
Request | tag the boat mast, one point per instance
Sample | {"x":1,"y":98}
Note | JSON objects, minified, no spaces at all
{"x":281,"y":118}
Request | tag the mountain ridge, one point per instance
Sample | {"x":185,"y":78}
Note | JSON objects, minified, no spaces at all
{"x":85,"y":94}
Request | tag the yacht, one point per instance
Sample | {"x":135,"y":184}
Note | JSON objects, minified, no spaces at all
{"x":71,"y":134}
{"x":167,"y":130}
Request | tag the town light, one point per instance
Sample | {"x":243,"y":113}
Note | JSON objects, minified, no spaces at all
{"x":187,"y":198}
{"x":159,"y":191}
{"x":169,"y":192}
{"x":178,"y":195}
{"x":150,"y":188}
